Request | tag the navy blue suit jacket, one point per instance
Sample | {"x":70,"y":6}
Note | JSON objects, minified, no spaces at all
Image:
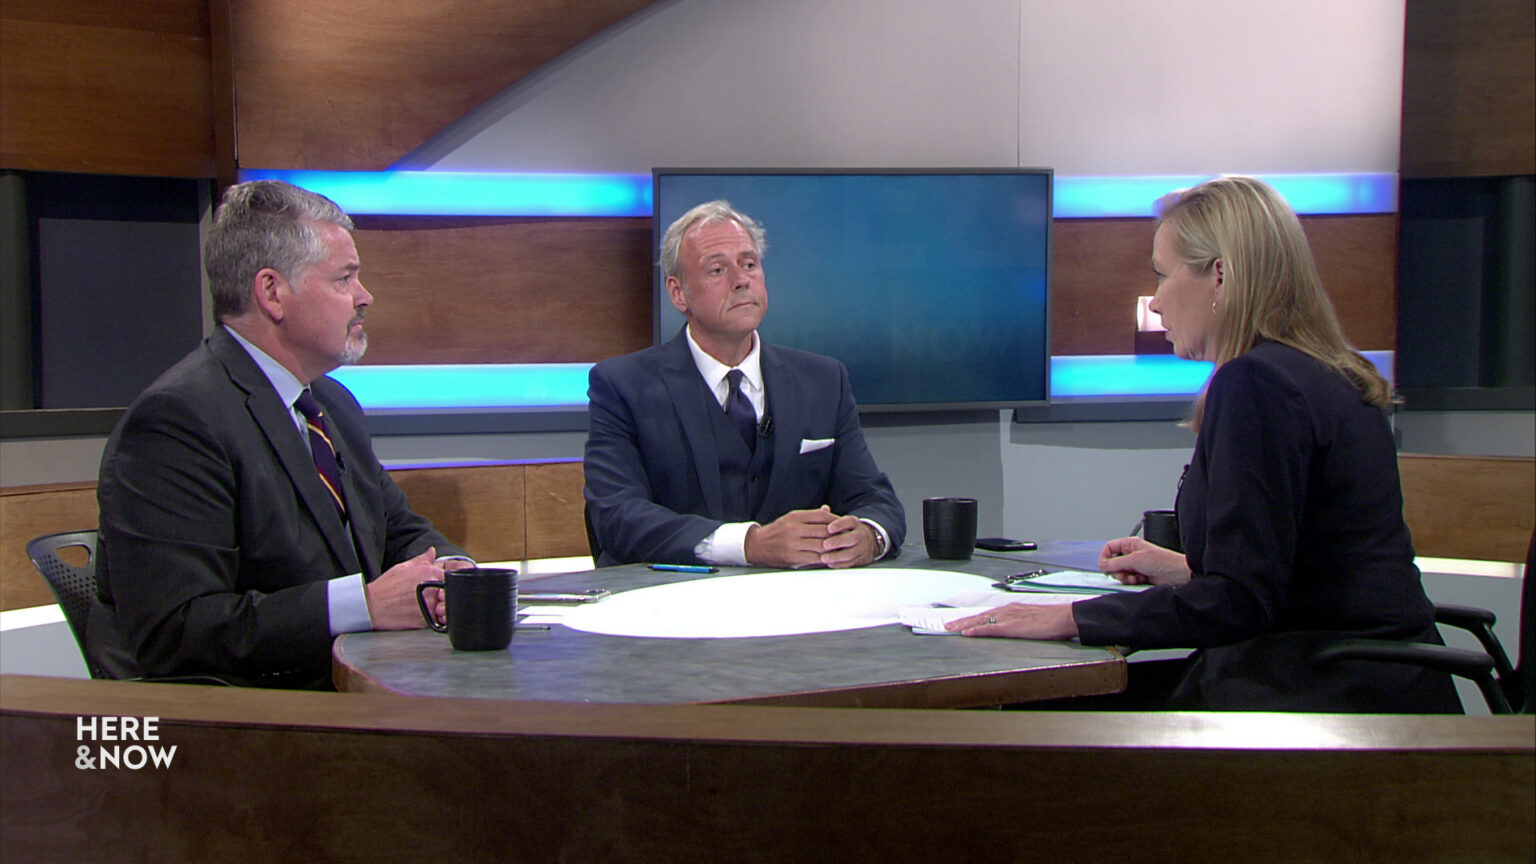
{"x":652,"y":472}
{"x":1291,"y":516}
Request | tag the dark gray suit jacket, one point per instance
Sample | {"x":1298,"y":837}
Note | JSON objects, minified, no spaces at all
{"x":652,"y":470}
{"x":217,"y":536}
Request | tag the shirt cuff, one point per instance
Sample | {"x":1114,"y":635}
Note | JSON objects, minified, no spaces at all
{"x":465,"y":558}
{"x":885,"y":539}
{"x":347,"y":604}
{"x":727,"y":546}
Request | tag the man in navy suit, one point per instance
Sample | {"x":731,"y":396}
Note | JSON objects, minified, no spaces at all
{"x":719,"y":448}
{"x":228,"y":546}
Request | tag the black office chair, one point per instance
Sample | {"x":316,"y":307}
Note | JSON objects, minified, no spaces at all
{"x":1507,"y":688}
{"x":592,"y":544}
{"x":75,"y":587}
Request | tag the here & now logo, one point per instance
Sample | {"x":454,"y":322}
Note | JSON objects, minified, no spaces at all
{"x":120,"y":742}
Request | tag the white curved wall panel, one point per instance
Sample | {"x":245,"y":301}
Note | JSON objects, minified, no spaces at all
{"x":1089,"y":87}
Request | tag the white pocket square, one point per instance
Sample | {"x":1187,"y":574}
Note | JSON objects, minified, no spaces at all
{"x":811,"y":445}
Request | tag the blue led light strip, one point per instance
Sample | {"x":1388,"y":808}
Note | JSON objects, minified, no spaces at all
{"x":1131,"y":375}
{"x":564,"y":385}
{"x":457,"y":193}
{"x":480,"y":387}
{"x":1308,"y":194}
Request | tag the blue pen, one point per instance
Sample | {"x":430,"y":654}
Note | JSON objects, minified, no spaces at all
{"x":685,"y":568}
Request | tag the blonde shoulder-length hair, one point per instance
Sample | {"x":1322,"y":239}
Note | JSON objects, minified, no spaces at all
{"x":1270,"y":286}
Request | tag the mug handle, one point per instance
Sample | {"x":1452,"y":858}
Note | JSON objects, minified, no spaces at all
{"x":421,"y":600}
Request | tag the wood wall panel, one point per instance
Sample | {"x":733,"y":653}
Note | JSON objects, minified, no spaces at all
{"x":262,"y":775}
{"x":1469,"y":96}
{"x":496,"y":512}
{"x":32,"y":511}
{"x":1357,"y":258}
{"x":478,"y":507}
{"x":532,"y":290}
{"x":1100,"y":266}
{"x":1098,"y":269}
{"x":1478,"y":507}
{"x":556,"y":524}
{"x":106,"y":87}
{"x":505,"y":291}
{"x":356,"y":86}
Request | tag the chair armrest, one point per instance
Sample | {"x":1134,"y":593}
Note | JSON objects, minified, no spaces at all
{"x":1472,"y":665}
{"x":1478,"y":622}
{"x":1438,"y":657}
{"x":1465,"y":617}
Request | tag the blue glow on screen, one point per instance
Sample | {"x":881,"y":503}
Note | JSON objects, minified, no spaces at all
{"x":459,"y":386}
{"x":564,"y":385}
{"x":929,"y":287}
{"x":1308,"y":194}
{"x":458,"y":193}
{"x":462,"y":193}
{"x":470,"y":387}
{"x":1120,"y":375}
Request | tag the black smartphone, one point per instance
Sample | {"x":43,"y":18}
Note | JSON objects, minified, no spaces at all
{"x":1004,"y":544}
{"x":590,"y":595}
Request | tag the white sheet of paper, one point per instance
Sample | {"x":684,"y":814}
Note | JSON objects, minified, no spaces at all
{"x":930,"y":621}
{"x":772,"y":604}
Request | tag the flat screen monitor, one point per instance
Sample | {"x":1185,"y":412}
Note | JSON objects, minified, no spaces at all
{"x":931,"y":286}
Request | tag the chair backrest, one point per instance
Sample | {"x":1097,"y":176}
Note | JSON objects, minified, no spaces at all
{"x":597,"y":549}
{"x":74,"y":587}
{"x":1525,"y":665}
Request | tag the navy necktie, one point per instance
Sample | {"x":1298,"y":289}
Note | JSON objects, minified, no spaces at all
{"x":739,"y":409}
{"x":320,"y":446}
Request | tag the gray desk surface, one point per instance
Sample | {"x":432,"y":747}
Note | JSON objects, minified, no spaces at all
{"x":883,"y":666}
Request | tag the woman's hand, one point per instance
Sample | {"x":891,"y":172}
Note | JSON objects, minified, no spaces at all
{"x":1134,"y":561}
{"x":1020,"y":621}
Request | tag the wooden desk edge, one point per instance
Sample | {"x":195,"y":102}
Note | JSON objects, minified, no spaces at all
{"x":179,"y":704}
{"x":267,"y":775}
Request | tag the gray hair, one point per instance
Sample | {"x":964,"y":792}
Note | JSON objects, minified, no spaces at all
{"x":261,"y":224}
{"x":708,"y":213}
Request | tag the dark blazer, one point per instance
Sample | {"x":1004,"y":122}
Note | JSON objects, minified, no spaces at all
{"x":1291,"y":516}
{"x":652,"y":471}
{"x":217,"y":536}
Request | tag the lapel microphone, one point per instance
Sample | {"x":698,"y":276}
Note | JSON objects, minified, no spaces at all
{"x":765,"y":428}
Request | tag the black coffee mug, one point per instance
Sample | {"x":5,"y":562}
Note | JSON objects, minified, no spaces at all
{"x":1161,"y":527}
{"x":482,"y":602}
{"x":949,"y":527}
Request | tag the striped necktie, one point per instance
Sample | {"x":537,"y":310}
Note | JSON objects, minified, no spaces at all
{"x":320,"y":446}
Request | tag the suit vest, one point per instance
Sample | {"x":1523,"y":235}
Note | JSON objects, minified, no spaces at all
{"x":743,"y":473}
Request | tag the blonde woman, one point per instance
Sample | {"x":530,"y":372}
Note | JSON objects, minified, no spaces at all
{"x":1290,"y":512}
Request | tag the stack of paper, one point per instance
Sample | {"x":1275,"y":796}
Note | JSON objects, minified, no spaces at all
{"x":1078,"y":581}
{"x":930,"y":620}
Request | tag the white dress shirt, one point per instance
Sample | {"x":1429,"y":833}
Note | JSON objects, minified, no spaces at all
{"x":727,"y":545}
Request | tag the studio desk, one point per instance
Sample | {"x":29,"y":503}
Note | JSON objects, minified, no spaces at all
{"x":883,"y":666}
{"x":264,"y":775}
